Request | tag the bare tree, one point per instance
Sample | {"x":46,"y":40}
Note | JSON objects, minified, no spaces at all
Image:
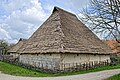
{"x":103,"y":16}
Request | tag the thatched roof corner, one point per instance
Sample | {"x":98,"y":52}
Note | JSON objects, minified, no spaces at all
{"x":22,"y":39}
{"x":62,"y":32}
{"x":59,"y":9}
{"x":55,"y":9}
{"x":17,"y":46}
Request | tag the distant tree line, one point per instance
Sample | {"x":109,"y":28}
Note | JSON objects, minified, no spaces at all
{"x":4,"y":44}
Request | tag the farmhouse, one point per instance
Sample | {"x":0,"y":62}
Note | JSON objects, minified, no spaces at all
{"x":62,"y":39}
{"x":14,"y":50}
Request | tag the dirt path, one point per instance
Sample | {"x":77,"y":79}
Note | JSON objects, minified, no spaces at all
{"x":89,"y":76}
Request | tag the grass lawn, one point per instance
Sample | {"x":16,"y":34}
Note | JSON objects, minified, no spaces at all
{"x":19,"y":71}
{"x":115,"y":77}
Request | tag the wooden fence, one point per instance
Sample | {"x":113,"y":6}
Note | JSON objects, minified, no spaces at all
{"x":83,"y":66}
{"x":6,"y":57}
{"x":1,"y":57}
{"x":61,"y":68}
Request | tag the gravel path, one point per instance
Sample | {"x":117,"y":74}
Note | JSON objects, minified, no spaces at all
{"x":88,"y":76}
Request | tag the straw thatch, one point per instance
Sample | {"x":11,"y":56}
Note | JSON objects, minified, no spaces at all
{"x":17,"y":46}
{"x":63,"y":32}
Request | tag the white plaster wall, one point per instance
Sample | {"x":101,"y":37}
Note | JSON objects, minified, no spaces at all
{"x":82,"y":58}
{"x":48,"y":61}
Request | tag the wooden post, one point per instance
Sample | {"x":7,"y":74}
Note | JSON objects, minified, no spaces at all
{"x":38,"y":64}
{"x":69,"y":66}
{"x":42,"y":66}
{"x":76,"y":66}
{"x":85,"y":66}
{"x":88,"y":65}
{"x":45,"y":65}
{"x":73,"y":66}
{"x":79,"y":66}
{"x":64,"y":66}
{"x":94,"y":64}
{"x":107,"y":62}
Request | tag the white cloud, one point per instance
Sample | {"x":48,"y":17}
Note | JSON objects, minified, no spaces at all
{"x":20,"y":18}
{"x":4,"y":34}
{"x":78,"y":3}
{"x":24,"y":18}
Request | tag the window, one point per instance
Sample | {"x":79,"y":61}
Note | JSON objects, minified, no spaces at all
{"x":77,"y":54}
{"x":95,"y":54}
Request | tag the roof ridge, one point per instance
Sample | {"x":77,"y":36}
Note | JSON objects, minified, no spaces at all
{"x":60,"y":9}
{"x":15,"y":48}
{"x":63,"y":35}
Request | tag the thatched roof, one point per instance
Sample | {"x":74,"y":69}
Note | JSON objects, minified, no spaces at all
{"x":17,"y":46}
{"x":63,"y":32}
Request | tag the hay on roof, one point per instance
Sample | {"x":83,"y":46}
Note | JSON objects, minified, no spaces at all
{"x":63,"y":32}
{"x":17,"y":46}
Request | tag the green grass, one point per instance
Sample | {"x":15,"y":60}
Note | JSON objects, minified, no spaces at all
{"x":115,"y":77}
{"x":19,"y":71}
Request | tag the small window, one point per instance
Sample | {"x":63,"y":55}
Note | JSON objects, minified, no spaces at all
{"x":77,"y":54}
{"x":94,"y":54}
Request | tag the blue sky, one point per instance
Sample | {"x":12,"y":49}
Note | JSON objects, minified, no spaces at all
{"x":20,"y":18}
